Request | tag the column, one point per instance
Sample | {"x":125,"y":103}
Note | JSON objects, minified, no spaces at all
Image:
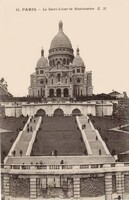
{"x":119,"y":183}
{"x":76,"y":185}
{"x":62,"y":93}
{"x":55,"y":92}
{"x":6,"y":185}
{"x":123,"y":183}
{"x":108,"y":186}
{"x":70,"y":91}
{"x":33,"y":188}
{"x":70,"y":188}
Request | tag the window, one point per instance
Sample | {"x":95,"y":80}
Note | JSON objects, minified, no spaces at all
{"x":78,"y":80}
{"x":52,"y":81}
{"x":66,"y":80}
{"x":58,"y":77}
{"x":64,"y":61}
{"x":41,"y":81}
{"x":78,"y":70}
{"x":41,"y":71}
{"x":37,"y":72}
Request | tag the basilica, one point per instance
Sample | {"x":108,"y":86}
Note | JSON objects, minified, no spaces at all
{"x":62,"y":75}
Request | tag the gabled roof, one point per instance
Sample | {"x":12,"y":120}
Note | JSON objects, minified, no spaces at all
{"x":114,"y":93}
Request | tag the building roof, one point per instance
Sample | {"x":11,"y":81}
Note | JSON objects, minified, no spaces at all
{"x":114,"y":93}
{"x":42,"y":62}
{"x":61,"y":39}
{"x":78,"y":60}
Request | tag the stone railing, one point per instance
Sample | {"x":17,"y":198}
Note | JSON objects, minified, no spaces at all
{"x":102,"y":142}
{"x":100,"y":138}
{"x":84,"y":137}
{"x":33,"y":137}
{"x":111,"y":167}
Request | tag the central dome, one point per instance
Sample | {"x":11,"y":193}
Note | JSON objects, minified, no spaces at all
{"x":60,"y":40}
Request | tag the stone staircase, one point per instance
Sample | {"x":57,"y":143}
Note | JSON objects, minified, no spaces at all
{"x":92,"y":137}
{"x":25,"y":138}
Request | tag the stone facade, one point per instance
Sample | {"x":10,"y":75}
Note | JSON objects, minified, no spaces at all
{"x":66,"y":186}
{"x":61,"y":75}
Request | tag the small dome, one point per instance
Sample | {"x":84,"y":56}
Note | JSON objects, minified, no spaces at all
{"x":42,"y":62}
{"x":60,"y":40}
{"x":78,"y":60}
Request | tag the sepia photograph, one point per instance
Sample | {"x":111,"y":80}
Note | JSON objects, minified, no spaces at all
{"x":64,"y":100}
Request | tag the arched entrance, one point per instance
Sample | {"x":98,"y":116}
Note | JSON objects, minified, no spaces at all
{"x":76,"y":112}
{"x":51,"y":92}
{"x":58,"y":112}
{"x":58,"y":92}
{"x":66,"y":92}
{"x":41,"y":112}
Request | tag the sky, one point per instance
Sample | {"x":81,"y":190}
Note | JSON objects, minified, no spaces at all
{"x":100,"y":30}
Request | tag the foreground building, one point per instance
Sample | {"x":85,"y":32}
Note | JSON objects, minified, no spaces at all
{"x":62,"y":74}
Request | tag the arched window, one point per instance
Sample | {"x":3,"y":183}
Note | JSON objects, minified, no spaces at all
{"x":64,"y":61}
{"x":58,"y":92}
{"x":66,"y":92}
{"x":50,"y":63}
{"x":53,"y":62}
{"x":58,"y":62}
{"x":67,"y":61}
{"x":41,"y":71}
{"x":58,"y":77}
{"x":41,"y":112}
{"x":76,"y":112}
{"x":51,"y":93}
{"x":58,"y":112}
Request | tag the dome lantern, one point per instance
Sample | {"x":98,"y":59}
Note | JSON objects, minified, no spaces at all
{"x":60,"y":26}
{"x":77,"y":51}
{"x":42,"y":52}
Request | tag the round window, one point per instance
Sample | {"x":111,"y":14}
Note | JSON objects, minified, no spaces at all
{"x":78,"y":80}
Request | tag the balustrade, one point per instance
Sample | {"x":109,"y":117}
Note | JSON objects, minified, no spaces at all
{"x":62,"y":166}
